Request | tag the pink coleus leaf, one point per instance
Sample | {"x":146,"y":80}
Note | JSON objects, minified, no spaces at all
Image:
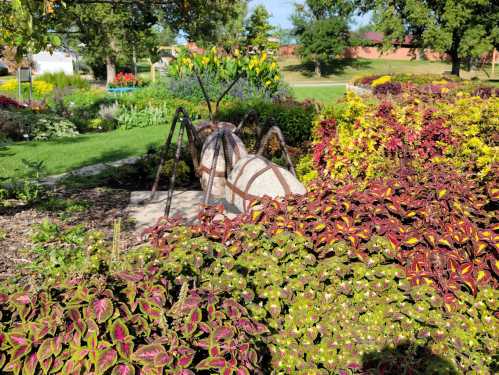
{"x":17,"y":340}
{"x":103,"y":309}
{"x":185,"y":360}
{"x":163,"y":359}
{"x":212,"y":362}
{"x":21,"y":299}
{"x":20,"y":352}
{"x":145,"y":354}
{"x":123,"y":369}
{"x":30,"y":364}
{"x":119,"y":331}
{"x":242,"y":371}
{"x":125,"y":349}
{"x":105,"y":360}
{"x":45,"y":349}
{"x":223,"y":333}
{"x":46,"y":364}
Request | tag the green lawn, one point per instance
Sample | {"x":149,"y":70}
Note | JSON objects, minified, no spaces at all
{"x":344,"y":70}
{"x":325,"y":95}
{"x":66,"y":154}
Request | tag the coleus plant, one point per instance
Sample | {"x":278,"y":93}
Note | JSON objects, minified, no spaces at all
{"x":442,"y":225}
{"x":334,"y":312}
{"x":127,"y":324}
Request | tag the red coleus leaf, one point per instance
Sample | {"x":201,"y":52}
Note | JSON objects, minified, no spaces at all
{"x":145,"y":354}
{"x":105,"y":360}
{"x":123,"y":369}
{"x":102,"y":309}
{"x":185,"y":360}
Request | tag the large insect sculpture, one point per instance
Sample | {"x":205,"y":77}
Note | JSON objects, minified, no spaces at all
{"x":222,"y":162}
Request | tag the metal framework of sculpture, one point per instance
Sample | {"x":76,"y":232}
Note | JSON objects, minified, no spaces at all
{"x":210,"y":139}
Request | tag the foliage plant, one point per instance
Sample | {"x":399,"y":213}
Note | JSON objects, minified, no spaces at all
{"x":371,"y":140}
{"x":260,"y":69}
{"x":41,"y":88}
{"x":295,"y":119}
{"x":7,"y":102}
{"x":61,"y":80}
{"x":133,"y":117}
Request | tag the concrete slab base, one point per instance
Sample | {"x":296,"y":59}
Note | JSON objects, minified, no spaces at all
{"x":185,"y":203}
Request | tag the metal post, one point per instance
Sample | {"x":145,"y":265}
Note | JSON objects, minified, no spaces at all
{"x":174,"y":170}
{"x":19,"y":92}
{"x":207,"y":193}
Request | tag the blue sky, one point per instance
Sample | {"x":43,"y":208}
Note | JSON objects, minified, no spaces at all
{"x":282,"y":9}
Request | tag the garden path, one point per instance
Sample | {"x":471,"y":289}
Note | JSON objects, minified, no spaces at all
{"x":185,"y":203}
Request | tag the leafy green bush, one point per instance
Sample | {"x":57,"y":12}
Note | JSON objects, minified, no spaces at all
{"x":295,"y":119}
{"x":133,"y":117}
{"x":62,"y":80}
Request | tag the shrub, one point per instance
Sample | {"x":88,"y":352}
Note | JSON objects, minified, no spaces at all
{"x":129,"y":118}
{"x":389,"y":88}
{"x":6,"y":102}
{"x":61,"y":80}
{"x":40,"y":88}
{"x":22,"y":124}
{"x":295,"y":119}
{"x":371,"y":140}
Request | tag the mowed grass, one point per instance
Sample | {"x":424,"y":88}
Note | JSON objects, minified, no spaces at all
{"x":325,"y":95}
{"x":344,"y":70}
{"x":63,"y":155}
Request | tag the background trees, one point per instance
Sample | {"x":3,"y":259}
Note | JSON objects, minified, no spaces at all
{"x":259,"y":29}
{"x":321,"y":29}
{"x":461,"y":28}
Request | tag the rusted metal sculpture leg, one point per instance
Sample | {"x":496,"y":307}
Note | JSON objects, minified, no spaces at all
{"x":164,"y":152}
{"x":169,"y":197}
{"x":275,"y":130}
{"x":207,"y":193}
{"x":251,"y":114}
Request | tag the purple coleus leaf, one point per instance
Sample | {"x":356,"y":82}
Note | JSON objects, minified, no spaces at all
{"x":105,"y":360}
{"x":102,"y":309}
{"x":123,"y":369}
{"x":145,"y":354}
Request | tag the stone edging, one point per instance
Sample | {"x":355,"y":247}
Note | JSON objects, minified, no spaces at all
{"x":359,"y":90}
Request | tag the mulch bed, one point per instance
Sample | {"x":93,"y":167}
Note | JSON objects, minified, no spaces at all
{"x":104,"y":207}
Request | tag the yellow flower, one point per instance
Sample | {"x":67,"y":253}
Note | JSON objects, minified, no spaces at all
{"x":264,"y":56}
{"x":205,"y":60}
{"x":9,"y":85}
{"x":381,"y":80}
{"x":236,"y":53}
{"x":273,"y":65}
{"x":268,"y":83}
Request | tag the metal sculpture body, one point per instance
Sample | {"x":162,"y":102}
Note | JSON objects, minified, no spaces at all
{"x":221,"y":160}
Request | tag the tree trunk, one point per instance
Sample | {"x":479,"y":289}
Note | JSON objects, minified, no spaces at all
{"x":456,"y":65}
{"x":317,"y":67}
{"x":110,"y":70}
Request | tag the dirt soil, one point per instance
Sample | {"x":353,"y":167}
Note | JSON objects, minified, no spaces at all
{"x":103,"y":207}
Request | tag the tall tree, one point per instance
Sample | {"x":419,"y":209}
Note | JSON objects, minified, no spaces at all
{"x":460,"y":28}
{"x":321,"y":28}
{"x":259,"y":29}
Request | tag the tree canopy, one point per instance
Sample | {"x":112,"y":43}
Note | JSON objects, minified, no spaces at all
{"x":321,"y":28}
{"x":461,"y":28}
{"x":259,"y":29}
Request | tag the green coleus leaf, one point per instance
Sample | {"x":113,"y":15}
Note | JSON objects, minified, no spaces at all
{"x":123,"y":369}
{"x":105,"y":360}
{"x":145,"y":354}
{"x":102,"y":309}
